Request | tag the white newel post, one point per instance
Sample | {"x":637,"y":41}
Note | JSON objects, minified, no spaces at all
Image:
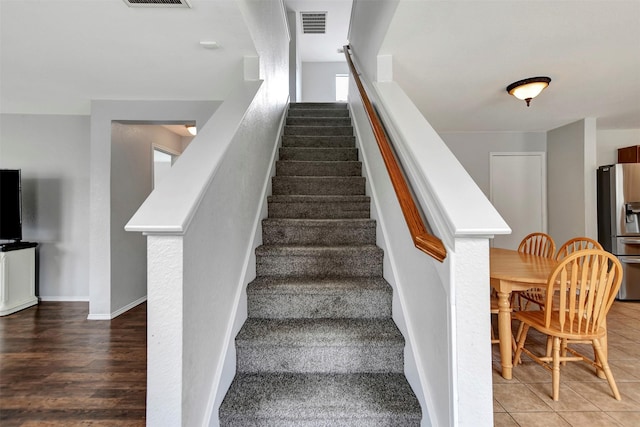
{"x":473,"y":394}
{"x":164,"y":333}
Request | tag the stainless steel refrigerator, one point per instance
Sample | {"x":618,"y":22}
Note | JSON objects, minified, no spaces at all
{"x":619,"y":221}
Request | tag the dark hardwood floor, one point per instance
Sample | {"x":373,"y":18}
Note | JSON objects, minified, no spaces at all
{"x":59,"y":369}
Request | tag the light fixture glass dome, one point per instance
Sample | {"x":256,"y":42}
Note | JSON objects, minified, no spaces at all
{"x":528,"y":89}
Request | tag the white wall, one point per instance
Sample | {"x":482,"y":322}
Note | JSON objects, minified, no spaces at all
{"x":571,"y":181}
{"x":53,"y":153}
{"x":472,"y":149}
{"x":608,"y":142}
{"x":319,"y":80}
{"x":103,"y":113}
{"x":370,"y":21}
{"x":131,"y":183}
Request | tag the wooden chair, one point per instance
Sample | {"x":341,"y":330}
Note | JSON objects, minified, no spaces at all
{"x":570,"y":246}
{"x":576,"y":244}
{"x":540,"y":244}
{"x":579,"y":293}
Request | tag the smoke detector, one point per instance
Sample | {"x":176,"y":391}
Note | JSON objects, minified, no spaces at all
{"x":314,"y":22}
{"x":157,"y":3}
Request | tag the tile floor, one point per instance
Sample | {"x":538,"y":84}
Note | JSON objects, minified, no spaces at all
{"x":585,"y":400}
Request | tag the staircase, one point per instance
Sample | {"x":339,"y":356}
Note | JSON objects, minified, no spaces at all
{"x":319,"y":347}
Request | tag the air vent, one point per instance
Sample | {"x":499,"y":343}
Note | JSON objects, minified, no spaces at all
{"x":157,"y":3}
{"x":314,"y":22}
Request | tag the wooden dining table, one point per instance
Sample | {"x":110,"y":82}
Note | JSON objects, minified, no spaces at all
{"x":514,"y":271}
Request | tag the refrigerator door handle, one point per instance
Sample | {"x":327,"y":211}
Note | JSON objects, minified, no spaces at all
{"x":628,"y":241}
{"x":630,"y":260}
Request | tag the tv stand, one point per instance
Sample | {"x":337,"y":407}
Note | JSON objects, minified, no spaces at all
{"x":17,"y":276}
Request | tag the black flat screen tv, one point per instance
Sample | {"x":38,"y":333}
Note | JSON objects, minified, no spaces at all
{"x":10,"y":205}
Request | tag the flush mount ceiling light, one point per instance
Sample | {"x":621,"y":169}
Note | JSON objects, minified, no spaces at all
{"x":192,"y":129}
{"x":528,"y":89}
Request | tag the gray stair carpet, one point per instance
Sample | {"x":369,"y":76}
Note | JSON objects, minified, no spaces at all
{"x":319,"y":347}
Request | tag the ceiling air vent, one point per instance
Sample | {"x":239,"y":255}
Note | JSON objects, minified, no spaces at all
{"x":314,"y":22}
{"x":157,"y":3}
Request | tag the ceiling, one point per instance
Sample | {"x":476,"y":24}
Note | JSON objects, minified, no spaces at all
{"x":323,"y":47}
{"x":454,"y":58}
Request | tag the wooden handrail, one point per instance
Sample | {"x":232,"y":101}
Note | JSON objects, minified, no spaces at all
{"x":422,"y":239}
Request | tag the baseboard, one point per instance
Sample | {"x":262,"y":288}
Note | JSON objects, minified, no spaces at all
{"x":118,"y":312}
{"x":128,"y":307}
{"x":64,"y":299}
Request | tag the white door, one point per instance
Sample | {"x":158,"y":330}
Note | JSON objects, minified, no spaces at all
{"x":517,"y":184}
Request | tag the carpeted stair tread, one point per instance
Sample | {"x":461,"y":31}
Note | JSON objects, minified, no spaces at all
{"x":318,"y":198}
{"x":318,"y":232}
{"x":319,"y":261}
{"x":320,"y":400}
{"x":303,"y":297}
{"x":318,"y":168}
{"x":318,"y":121}
{"x":319,"y":345}
{"x":318,"y":185}
{"x":318,"y":112}
{"x":318,"y":130}
{"x":288,"y":250}
{"x":319,"y":153}
{"x":319,"y":332}
{"x":318,"y":105}
{"x":318,"y":206}
{"x":316,"y":141}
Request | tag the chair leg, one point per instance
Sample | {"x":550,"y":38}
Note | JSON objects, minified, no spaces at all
{"x":597,"y":349}
{"x":522,"y":337}
{"x":556,"y":368}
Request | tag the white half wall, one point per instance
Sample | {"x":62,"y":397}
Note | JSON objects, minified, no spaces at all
{"x":53,"y":153}
{"x":319,"y":80}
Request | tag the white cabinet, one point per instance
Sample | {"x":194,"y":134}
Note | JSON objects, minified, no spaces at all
{"x":17,"y":280}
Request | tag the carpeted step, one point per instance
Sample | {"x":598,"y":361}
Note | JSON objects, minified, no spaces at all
{"x":319,"y":346}
{"x":318,"y":105}
{"x":320,"y":400}
{"x":319,"y":141}
{"x":318,"y":130}
{"x":291,"y":297}
{"x":318,"y":112}
{"x":319,"y":261}
{"x":318,"y":207}
{"x":318,"y":168}
{"x":328,"y":232}
{"x":318,"y":121}
{"x":318,"y":185}
{"x":319,"y":154}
